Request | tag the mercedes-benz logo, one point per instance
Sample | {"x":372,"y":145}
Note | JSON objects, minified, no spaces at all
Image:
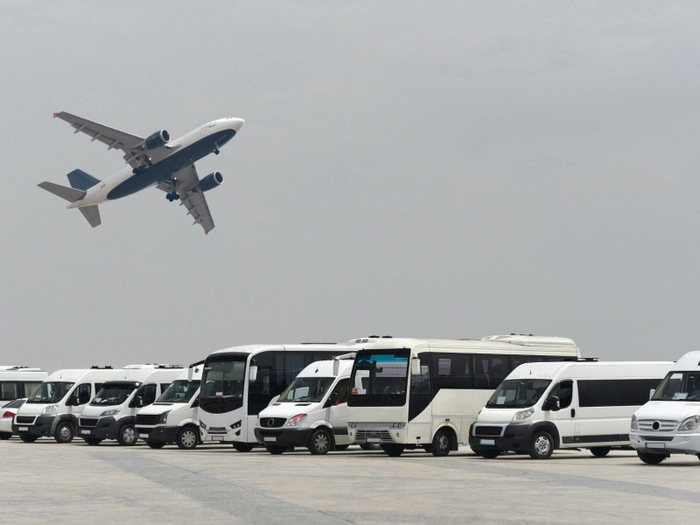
{"x":655,"y":425}
{"x":270,"y":422}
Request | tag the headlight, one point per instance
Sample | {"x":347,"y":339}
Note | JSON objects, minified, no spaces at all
{"x":690,"y":423}
{"x":296,"y":420}
{"x":398,"y":425}
{"x":163,"y":417}
{"x":633,"y":423}
{"x":50,"y":409}
{"x":109,"y":412}
{"x":523,"y":414}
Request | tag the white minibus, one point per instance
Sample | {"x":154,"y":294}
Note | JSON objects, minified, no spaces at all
{"x":669,"y":423}
{"x":239,"y":382}
{"x":541,"y":407}
{"x":424,"y":393}
{"x":53,"y":408}
{"x":173,"y":417}
{"x":19,"y":381}
{"x":112,"y":413}
{"x":311,"y":412}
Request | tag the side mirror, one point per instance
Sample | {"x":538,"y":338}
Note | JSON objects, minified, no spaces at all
{"x":196,"y":403}
{"x":253,"y":372}
{"x":332,"y":400}
{"x":415,"y":367}
{"x":553,"y":404}
{"x":139,"y":401}
{"x":72,"y":401}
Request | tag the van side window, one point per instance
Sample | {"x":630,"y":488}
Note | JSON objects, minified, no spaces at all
{"x":83,"y":393}
{"x":564,"y":391}
{"x":342,"y":390}
{"x":149,"y":394}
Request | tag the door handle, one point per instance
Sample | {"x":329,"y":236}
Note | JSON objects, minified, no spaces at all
{"x":573,"y":412}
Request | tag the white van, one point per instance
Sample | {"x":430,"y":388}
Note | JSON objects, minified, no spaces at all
{"x":669,"y":423}
{"x":54,"y":407}
{"x":541,"y":407}
{"x":112,"y":414}
{"x":19,"y":381}
{"x":173,"y":417}
{"x":311,"y":412}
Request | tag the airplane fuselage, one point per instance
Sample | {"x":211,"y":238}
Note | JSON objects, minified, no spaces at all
{"x":186,"y":150}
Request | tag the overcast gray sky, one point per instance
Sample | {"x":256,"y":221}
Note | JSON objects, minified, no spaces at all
{"x":419,"y":169}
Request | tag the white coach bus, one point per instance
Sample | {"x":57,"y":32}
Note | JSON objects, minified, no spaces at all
{"x":411,"y":393}
{"x":238,"y":382}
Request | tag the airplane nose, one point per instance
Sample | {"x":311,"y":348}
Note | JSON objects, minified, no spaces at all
{"x":237,"y":123}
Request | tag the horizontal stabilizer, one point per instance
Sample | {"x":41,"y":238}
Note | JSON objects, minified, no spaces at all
{"x":92,"y":214}
{"x":70,"y":194}
{"x":81,"y":181}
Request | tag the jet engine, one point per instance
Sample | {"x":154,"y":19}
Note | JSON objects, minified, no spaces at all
{"x":211,"y":181}
{"x":157,"y":139}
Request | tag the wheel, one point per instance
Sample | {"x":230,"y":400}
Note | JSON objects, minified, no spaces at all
{"x":64,"y":432}
{"x":651,"y":459}
{"x":275,"y":449}
{"x":28,"y":438}
{"x":320,"y":442}
{"x":488,"y":453}
{"x":243,"y":447}
{"x":542,"y":445}
{"x":600,"y":452}
{"x":340,"y":448}
{"x":393,"y":450}
{"x":127,"y":435}
{"x":5,"y":435}
{"x":155,"y":444}
{"x":187,"y":438}
{"x":441,"y":442}
{"x":92,"y":441}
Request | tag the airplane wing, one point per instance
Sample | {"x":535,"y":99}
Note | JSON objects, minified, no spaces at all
{"x":133,"y":146}
{"x":191,"y":196}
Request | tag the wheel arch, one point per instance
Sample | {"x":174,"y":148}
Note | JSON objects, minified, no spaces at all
{"x":549,"y":427}
{"x":452,"y":432}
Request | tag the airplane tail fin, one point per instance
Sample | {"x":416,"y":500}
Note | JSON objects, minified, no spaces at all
{"x":92,"y":214}
{"x":70,"y":194}
{"x":81,"y":181}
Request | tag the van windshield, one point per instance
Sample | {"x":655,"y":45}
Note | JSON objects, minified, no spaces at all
{"x":679,"y":386}
{"x":114,"y":393}
{"x":180,"y":391}
{"x":518,"y":393}
{"x":50,"y":392}
{"x":306,"y":389}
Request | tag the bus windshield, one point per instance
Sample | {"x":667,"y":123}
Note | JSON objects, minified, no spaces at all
{"x":518,"y":393}
{"x":222,"y":383}
{"x":113,"y":393}
{"x":679,"y":386}
{"x":180,"y":391}
{"x":379,"y":378}
{"x":306,"y":390}
{"x":50,"y":392}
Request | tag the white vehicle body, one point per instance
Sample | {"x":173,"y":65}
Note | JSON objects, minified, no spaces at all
{"x":54,"y":407}
{"x":311,"y":412}
{"x":19,"y":381}
{"x":541,"y":407}
{"x":7,"y":414}
{"x":241,"y":381}
{"x":409,"y":393}
{"x":112,"y":413}
{"x":669,"y":423}
{"x":173,"y":417}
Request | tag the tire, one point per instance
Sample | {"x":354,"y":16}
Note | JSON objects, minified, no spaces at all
{"x":340,"y":448}
{"x":651,"y":459}
{"x":600,"y":452}
{"x":542,"y":445}
{"x":28,"y":438}
{"x":320,"y":442}
{"x":92,"y":441}
{"x":127,"y":435}
{"x":5,"y":435}
{"x":155,"y":444}
{"x":64,"y":432}
{"x":275,"y":449}
{"x":187,"y":438}
{"x":441,"y":442}
{"x":243,"y":447}
{"x":393,"y":450}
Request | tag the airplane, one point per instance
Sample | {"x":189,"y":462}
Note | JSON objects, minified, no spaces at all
{"x":152,"y":161}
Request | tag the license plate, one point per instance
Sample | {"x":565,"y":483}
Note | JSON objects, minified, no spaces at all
{"x":143,"y":436}
{"x":654,"y":445}
{"x":373,"y":440}
{"x":85,"y":432}
{"x":487,"y":442}
{"x":23,"y":429}
{"x":269,"y":438}
{"x":213,"y":438}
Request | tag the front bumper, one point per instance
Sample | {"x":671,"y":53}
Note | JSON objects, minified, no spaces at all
{"x":665,"y":443}
{"x":160,"y":434}
{"x":106,"y":428}
{"x":513,"y":437}
{"x":286,"y":437}
{"x":42,"y":426}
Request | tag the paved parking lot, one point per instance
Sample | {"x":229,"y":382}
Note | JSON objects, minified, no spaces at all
{"x":46,"y":481}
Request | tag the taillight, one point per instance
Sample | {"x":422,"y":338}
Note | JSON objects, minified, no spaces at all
{"x":8,"y":414}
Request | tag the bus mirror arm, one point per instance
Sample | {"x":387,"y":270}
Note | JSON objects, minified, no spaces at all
{"x":252,"y":373}
{"x":415,"y":366}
